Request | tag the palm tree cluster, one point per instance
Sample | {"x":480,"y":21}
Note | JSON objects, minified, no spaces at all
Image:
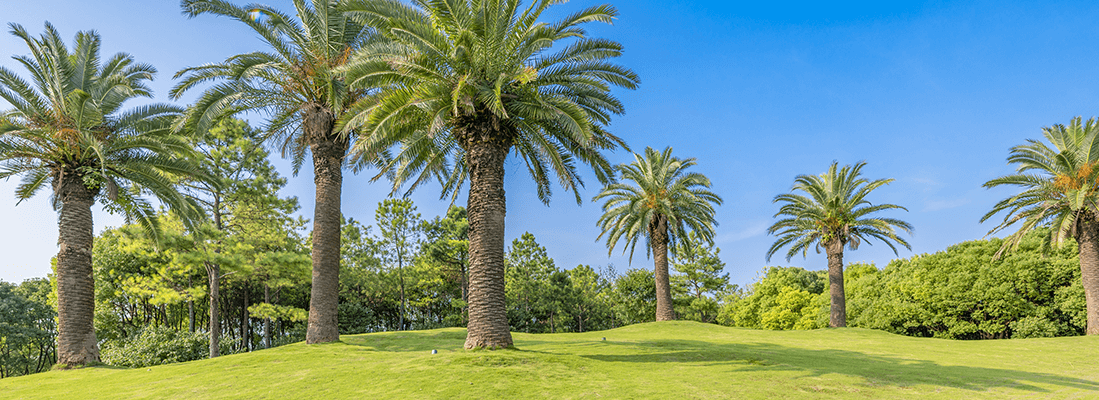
{"x":435,"y":89}
{"x":442,"y":90}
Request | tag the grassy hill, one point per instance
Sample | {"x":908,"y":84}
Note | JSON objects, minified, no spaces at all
{"x":668,"y":360}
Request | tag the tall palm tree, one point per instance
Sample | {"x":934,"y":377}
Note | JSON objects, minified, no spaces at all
{"x":834,"y":213}
{"x":67,"y":128}
{"x":296,"y":83}
{"x":471,"y":81}
{"x":662,"y":203}
{"x":1061,"y":190}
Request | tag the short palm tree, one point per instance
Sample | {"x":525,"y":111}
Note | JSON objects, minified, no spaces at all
{"x":833,"y":213}
{"x":1061,"y":190}
{"x":663,"y":203}
{"x":297,"y":85}
{"x":67,"y":128}
{"x":471,"y":81}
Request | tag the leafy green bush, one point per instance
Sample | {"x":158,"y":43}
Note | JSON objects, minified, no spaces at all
{"x":1033,"y":327}
{"x":784,"y":298}
{"x":159,"y":345}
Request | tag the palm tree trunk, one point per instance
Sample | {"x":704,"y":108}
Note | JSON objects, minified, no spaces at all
{"x":328,"y":154}
{"x":658,"y":232}
{"x":76,"y":341}
{"x":213,"y":271}
{"x":838,"y":317}
{"x":1087,"y":238}
{"x":488,"y":319}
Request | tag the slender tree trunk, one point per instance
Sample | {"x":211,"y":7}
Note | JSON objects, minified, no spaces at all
{"x":465,"y":293}
{"x":76,"y":341}
{"x":245,"y":321}
{"x":213,"y":272}
{"x":328,"y":154}
{"x":191,"y":315}
{"x":1087,"y":238}
{"x":838,"y":317}
{"x":267,"y":321}
{"x":658,"y":234}
{"x":400,"y":278}
{"x":486,"y":149}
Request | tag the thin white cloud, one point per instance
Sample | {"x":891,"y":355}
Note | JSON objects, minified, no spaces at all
{"x":757,"y":228}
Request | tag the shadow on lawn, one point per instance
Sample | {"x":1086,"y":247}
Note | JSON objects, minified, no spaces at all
{"x":875,"y":369}
{"x":412,"y":341}
{"x":400,"y":341}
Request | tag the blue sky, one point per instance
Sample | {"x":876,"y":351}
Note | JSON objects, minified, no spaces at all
{"x":932,"y":94}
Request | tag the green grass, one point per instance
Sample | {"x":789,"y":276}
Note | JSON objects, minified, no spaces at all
{"x":668,"y":360}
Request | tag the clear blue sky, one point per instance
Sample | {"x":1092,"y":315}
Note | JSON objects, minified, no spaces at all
{"x":932,"y":94}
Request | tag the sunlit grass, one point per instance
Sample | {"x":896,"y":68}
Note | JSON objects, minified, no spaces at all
{"x":669,"y":360}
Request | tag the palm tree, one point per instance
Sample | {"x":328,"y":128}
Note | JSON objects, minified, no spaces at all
{"x":834,"y":213}
{"x":1060,"y":185}
{"x":662,"y":204}
{"x":296,"y":83}
{"x":67,"y":128}
{"x":470,"y":81}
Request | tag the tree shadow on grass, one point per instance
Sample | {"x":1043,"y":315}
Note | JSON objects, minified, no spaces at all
{"x":408,"y":341}
{"x":413,"y":341}
{"x":875,"y":369}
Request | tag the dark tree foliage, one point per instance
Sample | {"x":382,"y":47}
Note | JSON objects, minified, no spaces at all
{"x":27,"y":328}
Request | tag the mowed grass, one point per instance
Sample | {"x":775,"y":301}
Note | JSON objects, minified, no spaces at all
{"x":665,"y":360}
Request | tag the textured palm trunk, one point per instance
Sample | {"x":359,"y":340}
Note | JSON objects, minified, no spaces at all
{"x":1087,"y":238}
{"x":213,"y":272}
{"x":658,"y":233}
{"x":486,"y":149}
{"x":838,"y":317}
{"x":328,"y":154}
{"x":76,"y":341}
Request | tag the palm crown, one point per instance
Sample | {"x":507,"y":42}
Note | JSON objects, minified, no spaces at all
{"x":457,"y":66}
{"x":833,"y":207}
{"x":660,"y":192}
{"x":298,"y":70}
{"x":1060,"y":183}
{"x":69,"y":121}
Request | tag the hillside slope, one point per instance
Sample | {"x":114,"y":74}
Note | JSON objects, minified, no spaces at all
{"x":664,"y":360}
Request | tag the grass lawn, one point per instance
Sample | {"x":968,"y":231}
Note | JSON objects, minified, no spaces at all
{"x":665,"y":360}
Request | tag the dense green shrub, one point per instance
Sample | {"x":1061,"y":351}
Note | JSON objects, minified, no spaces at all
{"x":784,"y":298}
{"x":960,"y":293}
{"x":963,"y":293}
{"x":159,"y":345}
